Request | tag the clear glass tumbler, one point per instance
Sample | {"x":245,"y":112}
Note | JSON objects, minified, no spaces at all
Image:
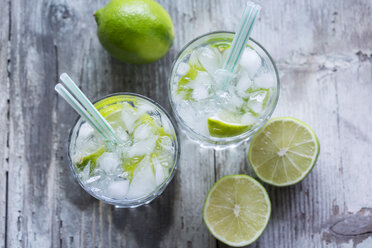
{"x":109,"y":104}
{"x":183,"y":117}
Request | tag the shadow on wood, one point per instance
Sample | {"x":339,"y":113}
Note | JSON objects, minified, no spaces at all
{"x":74,"y":192}
{"x":148,"y":223}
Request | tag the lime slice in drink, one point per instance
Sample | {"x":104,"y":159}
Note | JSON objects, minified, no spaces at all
{"x":237,"y":210}
{"x":129,"y":165}
{"x":284,"y":151}
{"x":222,"y":129}
{"x":92,"y":158}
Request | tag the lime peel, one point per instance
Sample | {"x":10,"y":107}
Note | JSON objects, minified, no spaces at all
{"x":222,"y":129}
{"x":135,"y":31}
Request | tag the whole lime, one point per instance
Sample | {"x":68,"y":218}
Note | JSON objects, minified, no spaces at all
{"x":135,"y":31}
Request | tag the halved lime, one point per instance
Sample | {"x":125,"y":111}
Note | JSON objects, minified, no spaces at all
{"x":284,"y":151}
{"x":222,"y":129}
{"x":237,"y":210}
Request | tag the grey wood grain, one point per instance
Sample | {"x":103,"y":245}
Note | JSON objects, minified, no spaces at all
{"x":323,"y":52}
{"x":99,"y":224}
{"x":4,"y":119}
{"x":31,"y":171}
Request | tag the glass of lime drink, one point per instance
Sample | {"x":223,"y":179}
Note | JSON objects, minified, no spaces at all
{"x":138,"y":169}
{"x":211,"y":111}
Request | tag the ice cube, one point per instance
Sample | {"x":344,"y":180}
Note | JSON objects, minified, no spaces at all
{"x":143,"y":109}
{"x":258,"y":96}
{"x":166,"y":159}
{"x":234,"y":100}
{"x":129,"y":116}
{"x":182,"y":68}
{"x":202,"y":78}
{"x":117,"y":189}
{"x":191,"y":114}
{"x":222,"y":77}
{"x":143,"y":131}
{"x":264,"y":80}
{"x":84,"y":174}
{"x":122,"y":134}
{"x":108,"y":161}
{"x":200,"y":124}
{"x":143,"y":147}
{"x":248,"y":119}
{"x":85,"y":131}
{"x":166,"y":125}
{"x":87,"y":139}
{"x":256,"y":101}
{"x":161,"y":173}
{"x":255,"y":107}
{"x":194,"y":60}
{"x":200,"y":92}
{"x":244,"y":82}
{"x":143,"y":182}
{"x":210,"y":59}
{"x":201,"y":85}
{"x":93,"y":179}
{"x":250,"y":61}
{"x":166,"y":143}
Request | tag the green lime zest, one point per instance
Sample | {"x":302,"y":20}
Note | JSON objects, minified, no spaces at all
{"x":158,"y":130}
{"x":130,"y":165}
{"x":222,"y":129}
{"x":253,"y":92}
{"x":92,"y":158}
{"x":182,"y":87}
{"x":221,"y":46}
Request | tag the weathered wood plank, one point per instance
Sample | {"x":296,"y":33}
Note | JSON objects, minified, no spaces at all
{"x":195,"y":177}
{"x":78,"y":216}
{"x":4,"y":118}
{"x":325,"y":83}
{"x":85,"y":221}
{"x":31,"y":173}
{"x":323,"y":52}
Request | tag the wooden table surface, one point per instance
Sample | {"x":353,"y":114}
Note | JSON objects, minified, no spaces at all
{"x":323,"y":53}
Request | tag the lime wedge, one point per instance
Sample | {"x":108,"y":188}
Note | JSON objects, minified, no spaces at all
{"x":107,"y":111}
{"x":221,"y":46}
{"x":92,"y":158}
{"x":284,"y":151}
{"x":113,"y":104}
{"x":129,"y":165}
{"x":183,"y":86}
{"x":237,"y":210}
{"x":222,"y":129}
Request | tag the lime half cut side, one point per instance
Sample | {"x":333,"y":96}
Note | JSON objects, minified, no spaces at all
{"x":222,"y":129}
{"x":237,"y":210}
{"x":284,"y":151}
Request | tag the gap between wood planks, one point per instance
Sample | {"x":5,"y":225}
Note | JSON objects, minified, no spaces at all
{"x":7,"y":124}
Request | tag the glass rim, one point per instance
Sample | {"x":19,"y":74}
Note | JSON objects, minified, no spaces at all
{"x":214,"y":141}
{"x":160,"y":188}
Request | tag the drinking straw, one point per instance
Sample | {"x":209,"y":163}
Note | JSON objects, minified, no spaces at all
{"x":241,"y":37}
{"x":85,"y":108}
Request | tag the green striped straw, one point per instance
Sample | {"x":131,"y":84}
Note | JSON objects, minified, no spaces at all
{"x":241,"y":37}
{"x":85,"y":108}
